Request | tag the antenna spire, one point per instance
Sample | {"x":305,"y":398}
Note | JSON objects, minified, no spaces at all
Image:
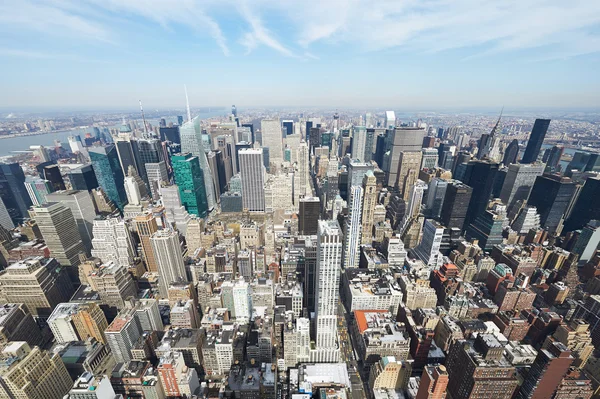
{"x":187,"y":103}
{"x":143,"y":118}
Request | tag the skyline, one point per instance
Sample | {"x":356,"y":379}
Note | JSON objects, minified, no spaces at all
{"x":426,"y":54}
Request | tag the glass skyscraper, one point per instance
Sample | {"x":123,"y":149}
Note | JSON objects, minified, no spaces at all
{"x":190,"y":180}
{"x":107,"y":168}
{"x":538,"y":133}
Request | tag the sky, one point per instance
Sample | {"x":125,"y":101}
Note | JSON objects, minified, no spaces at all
{"x":412,"y":54}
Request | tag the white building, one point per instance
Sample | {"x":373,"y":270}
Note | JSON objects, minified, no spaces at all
{"x":242,"y":301}
{"x":352,"y":233}
{"x":272,"y":137}
{"x":252,"y":171}
{"x":175,"y":211}
{"x":169,"y":258}
{"x":122,"y":334}
{"x":83,"y":209}
{"x":429,"y":248}
{"x":157,"y":174}
{"x":112,"y":241}
{"x":359,"y":143}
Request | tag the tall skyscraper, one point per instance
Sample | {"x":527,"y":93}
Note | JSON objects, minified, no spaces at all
{"x":511,"y":152}
{"x":551,"y":195}
{"x":368,"y":207}
{"x":359,"y":143}
{"x":408,"y":172}
{"x":169,"y":258}
{"x":308,"y":216}
{"x":191,"y":141}
{"x":122,"y":334}
{"x":59,"y":229}
{"x":552,"y":157}
{"x":82,"y":207}
{"x":455,"y":205}
{"x":157,"y":174}
{"x":146,"y":226}
{"x":518,"y":182}
{"x":252,"y":172}
{"x":401,"y":139}
{"x":272,"y":138}
{"x":51,"y":171}
{"x":33,"y":373}
{"x":534,"y":145}
{"x":547,"y":371}
{"x":13,"y":192}
{"x":353,"y":228}
{"x":38,"y":189}
{"x":329,"y":259}
{"x":189,"y":179}
{"x":109,"y":174}
{"x":135,"y":188}
{"x":480,"y":177}
{"x":83,"y":178}
{"x":113,"y":242}
{"x":436,"y":193}
{"x":587,"y":207}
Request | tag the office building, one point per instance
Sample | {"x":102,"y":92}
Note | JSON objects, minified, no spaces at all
{"x":112,"y":241}
{"x":122,"y":334}
{"x":586,"y":207}
{"x":157,"y":175}
{"x":135,"y":188}
{"x":171,"y":133}
{"x":308,"y":215}
{"x":38,"y":189}
{"x":17,"y":324}
{"x":113,"y":283}
{"x":551,"y":195}
{"x":83,"y":178}
{"x":13,"y":192}
{"x":73,"y":321}
{"x":51,"y":171}
{"x":408,"y":172}
{"x":60,"y":232}
{"x":252,"y":173}
{"x":359,"y":144}
{"x":192,"y":142}
{"x":550,"y":366}
{"x":189,"y":179}
{"x":369,"y":187}
{"x":436,"y":192}
{"x":169,"y":259}
{"x":429,"y":248}
{"x":552,"y":158}
{"x":176,"y":213}
{"x":487,"y":229}
{"x":401,"y":139}
{"x":511,"y":152}
{"x":353,"y":228}
{"x":480,"y":177}
{"x":454,"y":208}
{"x":89,"y":387}
{"x":588,"y":241}
{"x":429,"y":158}
{"x":329,"y":259}
{"x":33,"y":373}
{"x":109,"y":174}
{"x":534,"y":145}
{"x":434,"y":382}
{"x":82,"y":206}
{"x":272,"y":138}
{"x":146,"y":226}
{"x":519,"y":181}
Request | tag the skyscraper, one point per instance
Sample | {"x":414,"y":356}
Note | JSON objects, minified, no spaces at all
{"x":369,"y":187}
{"x":518,"y":182}
{"x":146,"y":226}
{"x":122,"y":334}
{"x":480,"y":177}
{"x":189,"y":179}
{"x":129,"y":154}
{"x":83,"y":178}
{"x":408,"y":172}
{"x":113,"y":242}
{"x":157,"y":174}
{"x":455,"y":205}
{"x":587,"y":206}
{"x":191,"y":141}
{"x":511,"y":152}
{"x":407,"y":139}
{"x":59,"y":229}
{"x":436,"y":192}
{"x":353,"y":228}
{"x":551,"y":195}
{"x":272,"y":138}
{"x":329,"y":259}
{"x":308,"y":216}
{"x":552,"y":157}
{"x":109,"y":174}
{"x":359,"y":143}
{"x":252,"y":172}
{"x":82,"y":207}
{"x":13,"y":191}
{"x":33,"y":373}
{"x":169,"y":258}
{"x":51,"y":171}
{"x":550,"y":366}
{"x":540,"y":128}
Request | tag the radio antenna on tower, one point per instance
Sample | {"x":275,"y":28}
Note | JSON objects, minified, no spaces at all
{"x":143,"y":118}
{"x":187,"y":103}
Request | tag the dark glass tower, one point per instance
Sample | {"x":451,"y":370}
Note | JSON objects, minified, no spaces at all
{"x":107,"y":168}
{"x":511,"y":153}
{"x":170,"y":134}
{"x":552,"y":157}
{"x":129,"y":155}
{"x":480,"y":177}
{"x":308,"y":216}
{"x":51,"y":172}
{"x":456,"y":204}
{"x":587,"y":206}
{"x":13,"y":191}
{"x":534,"y":145}
{"x":551,"y":195}
{"x":487,"y":229}
{"x":83,"y":178}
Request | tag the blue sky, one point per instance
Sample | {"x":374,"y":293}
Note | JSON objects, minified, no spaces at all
{"x":356,"y":53}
